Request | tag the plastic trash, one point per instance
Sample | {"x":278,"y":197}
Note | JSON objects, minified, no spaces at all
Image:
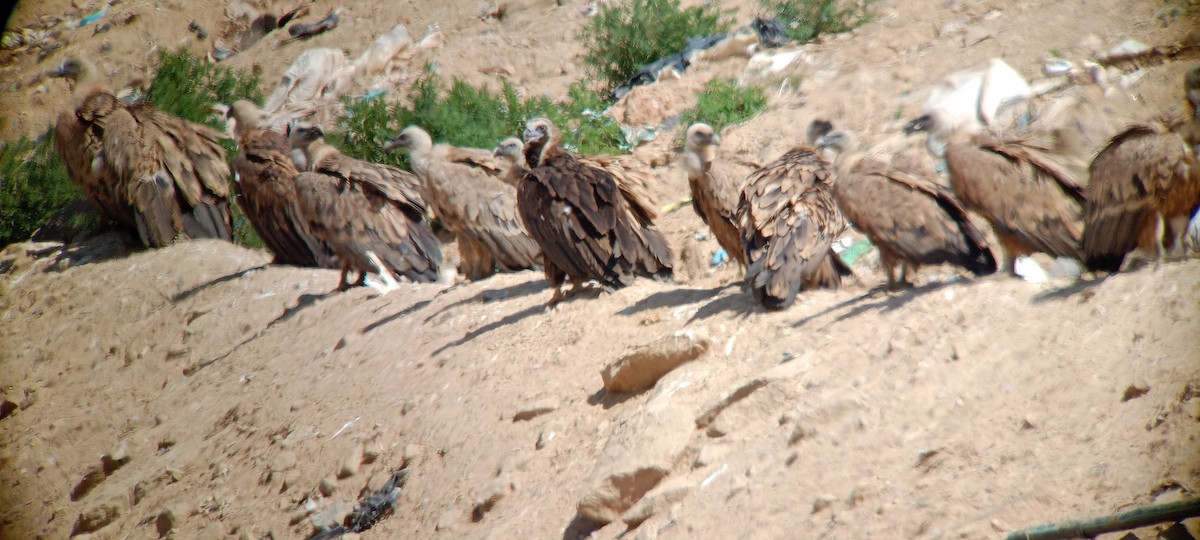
{"x":719,"y":257}
{"x":92,"y":18}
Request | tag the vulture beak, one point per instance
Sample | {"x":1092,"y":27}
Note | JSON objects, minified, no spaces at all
{"x":59,"y":72}
{"x":497,"y":152}
{"x":393,"y":144}
{"x":920,"y":124}
{"x":529,"y":135}
{"x":715,"y":140}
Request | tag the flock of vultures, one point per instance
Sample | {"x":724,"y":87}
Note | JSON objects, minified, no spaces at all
{"x":531,"y":203}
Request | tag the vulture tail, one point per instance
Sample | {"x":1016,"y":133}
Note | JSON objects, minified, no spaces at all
{"x":209,"y":220}
{"x":980,"y":260}
{"x":1107,"y":238}
{"x":155,"y":211}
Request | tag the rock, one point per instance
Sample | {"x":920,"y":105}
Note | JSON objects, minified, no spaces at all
{"x":96,"y":518}
{"x":742,"y":391}
{"x":328,"y":486}
{"x":639,"y":453}
{"x":823,"y":502}
{"x":657,"y":501}
{"x":492,"y":494}
{"x":350,"y":463}
{"x":168,"y":519}
{"x":92,"y":478}
{"x":649,"y":105}
{"x":372,"y":450}
{"x":515,"y":461}
{"x":535,"y":409}
{"x":332,"y":516}
{"x":710,"y":454}
{"x":283,"y":461}
{"x":644,"y":367}
{"x":1134,"y":391}
{"x":548,"y":434}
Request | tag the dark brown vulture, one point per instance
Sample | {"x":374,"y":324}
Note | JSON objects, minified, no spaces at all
{"x":1019,"y":186}
{"x":141,"y":167}
{"x":1145,"y":186}
{"x":716,"y":186}
{"x":371,"y":215}
{"x":788,"y":220}
{"x":266,"y":192}
{"x":587,"y":226}
{"x":912,"y":220}
{"x":463,"y":188}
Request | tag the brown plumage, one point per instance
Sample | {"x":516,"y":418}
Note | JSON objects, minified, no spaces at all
{"x":141,"y":167}
{"x":912,"y":220}
{"x":511,"y":152}
{"x":463,"y":187}
{"x":364,"y":211}
{"x":788,"y":220}
{"x":1031,"y":200}
{"x":1145,"y":186}
{"x":266,"y":192}
{"x":716,"y":186}
{"x":587,"y":226}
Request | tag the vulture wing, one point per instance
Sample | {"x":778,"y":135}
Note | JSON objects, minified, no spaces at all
{"x":78,"y":138}
{"x":715,"y":197}
{"x":788,"y":220}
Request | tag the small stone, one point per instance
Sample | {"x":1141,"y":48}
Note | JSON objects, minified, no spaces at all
{"x":823,"y":502}
{"x":492,"y":494}
{"x":645,"y":366}
{"x":96,"y":518}
{"x":328,"y":486}
{"x":1134,"y":391}
{"x":332,"y":516}
{"x":535,"y":409}
{"x":800,"y":432}
{"x":371,"y":451}
{"x":167,"y":520}
{"x":549,"y":433}
{"x":791,"y":458}
{"x":92,"y":478}
{"x":412,"y":453}
{"x":351,"y":462}
{"x":139,"y":492}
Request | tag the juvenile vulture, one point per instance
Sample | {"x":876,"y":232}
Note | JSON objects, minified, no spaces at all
{"x":266,"y":192}
{"x":716,"y":186}
{"x":587,"y":226}
{"x":371,"y":215}
{"x":912,"y":220}
{"x":141,"y":167}
{"x":1145,"y":186}
{"x":1019,"y":186}
{"x":463,"y":187}
{"x":788,"y":220}
{"x":512,"y":152}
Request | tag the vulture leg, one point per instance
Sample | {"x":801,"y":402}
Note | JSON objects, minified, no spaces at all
{"x":906,"y":270}
{"x":1013,"y":248}
{"x":889,"y":265}
{"x":1178,"y":226}
{"x":389,"y":283}
{"x":342,"y":283}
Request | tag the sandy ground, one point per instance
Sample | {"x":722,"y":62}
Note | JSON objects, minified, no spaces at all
{"x":197,"y":392}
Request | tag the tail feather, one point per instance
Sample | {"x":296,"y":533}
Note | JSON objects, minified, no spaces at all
{"x":155,"y":212}
{"x":209,"y":220}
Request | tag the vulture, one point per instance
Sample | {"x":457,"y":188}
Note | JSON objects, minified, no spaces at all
{"x":788,"y":220}
{"x":912,"y":220}
{"x":512,"y":152}
{"x":716,"y":187}
{"x":1144,"y":188}
{"x":1031,"y":199}
{"x":141,"y":167}
{"x":266,"y":192}
{"x":588,"y":227}
{"x":463,"y":188}
{"x":371,"y":215}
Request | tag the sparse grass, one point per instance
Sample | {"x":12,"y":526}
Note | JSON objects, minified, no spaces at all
{"x":722,"y":102}
{"x":629,"y":34}
{"x":34,"y":184}
{"x":805,"y":20}
{"x":470,"y":116}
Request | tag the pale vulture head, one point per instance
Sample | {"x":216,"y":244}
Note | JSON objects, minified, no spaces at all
{"x":835,"y":142}
{"x":82,"y":73}
{"x":302,"y":137}
{"x":700,"y":137}
{"x":246,"y":115}
{"x":413,"y":139}
{"x":511,"y":149}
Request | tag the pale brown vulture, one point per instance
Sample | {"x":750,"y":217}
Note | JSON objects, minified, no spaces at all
{"x":141,"y":167}
{"x":788,"y":221}
{"x":716,"y":186}
{"x":912,"y":220}
{"x":1020,"y":186}
{"x":1145,"y":186}
{"x":266,"y":192}
{"x":463,"y":187}
{"x":587,"y":226}
{"x":371,"y":215}
{"x":512,"y":152}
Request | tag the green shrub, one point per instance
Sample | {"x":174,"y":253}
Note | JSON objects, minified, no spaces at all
{"x":804,"y":20}
{"x":722,"y":102}
{"x":34,"y":184}
{"x":188,"y":86}
{"x":629,"y":34}
{"x":465,"y":115}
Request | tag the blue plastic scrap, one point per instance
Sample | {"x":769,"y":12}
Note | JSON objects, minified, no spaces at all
{"x":719,"y":257}
{"x":92,"y":18}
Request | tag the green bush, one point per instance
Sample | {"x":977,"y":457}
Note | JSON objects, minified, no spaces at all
{"x":722,"y":102}
{"x":188,"y":86}
{"x":804,"y":20}
{"x":465,"y":115}
{"x":34,"y":184}
{"x":627,"y":35}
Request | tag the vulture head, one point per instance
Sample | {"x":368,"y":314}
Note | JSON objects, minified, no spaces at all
{"x":246,"y":116}
{"x":303,"y":137}
{"x":918,"y":125}
{"x":836,"y":142}
{"x":542,"y":140}
{"x":81,"y":72}
{"x":700,"y":137}
{"x":413,"y":139}
{"x":511,"y":149}
{"x":817,"y":129}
